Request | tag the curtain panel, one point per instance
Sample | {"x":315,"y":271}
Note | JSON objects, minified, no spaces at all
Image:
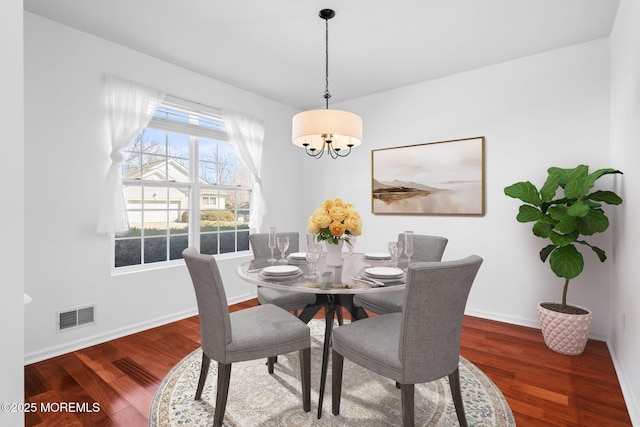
{"x":130,"y":107}
{"x":246,"y":135}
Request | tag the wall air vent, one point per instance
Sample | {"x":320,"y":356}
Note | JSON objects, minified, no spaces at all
{"x":75,"y":318}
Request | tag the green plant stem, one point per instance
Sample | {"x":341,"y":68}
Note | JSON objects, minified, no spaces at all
{"x":564,"y":293}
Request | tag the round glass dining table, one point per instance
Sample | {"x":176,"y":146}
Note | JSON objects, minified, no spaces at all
{"x":334,"y":287}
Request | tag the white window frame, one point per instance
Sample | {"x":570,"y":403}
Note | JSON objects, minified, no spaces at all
{"x":194,"y":186}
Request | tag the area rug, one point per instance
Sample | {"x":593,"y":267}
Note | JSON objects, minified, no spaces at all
{"x":259,"y":399}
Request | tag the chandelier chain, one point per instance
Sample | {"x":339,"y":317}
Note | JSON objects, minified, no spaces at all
{"x":327,"y":94}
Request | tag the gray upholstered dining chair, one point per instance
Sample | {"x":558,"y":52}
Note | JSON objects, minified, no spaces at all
{"x":419,"y":345}
{"x":253,"y":333}
{"x":290,"y":301}
{"x":425,"y":249}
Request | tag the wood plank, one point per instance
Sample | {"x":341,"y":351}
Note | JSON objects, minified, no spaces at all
{"x":130,"y":417}
{"x":34,"y":383}
{"x":93,"y":386}
{"x":140,"y":397}
{"x":137,"y":373}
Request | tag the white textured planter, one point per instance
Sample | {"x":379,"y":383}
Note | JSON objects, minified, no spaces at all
{"x":565,"y":333}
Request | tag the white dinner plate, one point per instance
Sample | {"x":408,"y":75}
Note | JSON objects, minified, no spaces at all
{"x":281,"y":277}
{"x":377,"y":255}
{"x":298,"y":255}
{"x":280,"y":270}
{"x":384,"y":272}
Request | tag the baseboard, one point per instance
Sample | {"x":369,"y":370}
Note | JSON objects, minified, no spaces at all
{"x":498,"y":317}
{"x":242,"y":298}
{"x":50,"y":352}
{"x":521,"y":321}
{"x":632,"y":401}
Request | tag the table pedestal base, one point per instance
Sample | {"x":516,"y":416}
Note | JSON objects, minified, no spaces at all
{"x":332,"y":303}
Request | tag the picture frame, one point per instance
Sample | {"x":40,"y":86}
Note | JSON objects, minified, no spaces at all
{"x":434,"y":178}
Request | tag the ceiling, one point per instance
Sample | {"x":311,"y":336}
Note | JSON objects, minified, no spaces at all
{"x":276,"y":48}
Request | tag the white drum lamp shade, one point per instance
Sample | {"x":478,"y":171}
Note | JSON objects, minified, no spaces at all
{"x":315,"y":128}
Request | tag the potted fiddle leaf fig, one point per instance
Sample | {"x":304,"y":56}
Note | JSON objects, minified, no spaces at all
{"x":563,"y":211}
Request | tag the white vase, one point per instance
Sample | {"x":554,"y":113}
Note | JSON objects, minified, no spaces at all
{"x":334,"y":253}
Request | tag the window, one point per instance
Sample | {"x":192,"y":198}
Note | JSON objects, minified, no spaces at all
{"x":183,"y":184}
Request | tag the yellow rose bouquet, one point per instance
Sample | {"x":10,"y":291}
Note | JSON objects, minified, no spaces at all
{"x":335,"y":220}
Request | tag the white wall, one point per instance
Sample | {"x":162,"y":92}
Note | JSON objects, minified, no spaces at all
{"x":12,"y":214}
{"x":546,"y":110}
{"x":67,"y":151}
{"x":625,"y":152}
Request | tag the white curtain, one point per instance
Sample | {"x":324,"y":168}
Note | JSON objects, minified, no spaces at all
{"x":246,"y":134}
{"x":130,"y":108}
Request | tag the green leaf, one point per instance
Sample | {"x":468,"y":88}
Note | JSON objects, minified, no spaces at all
{"x":562,"y":239}
{"x":525,"y":191}
{"x":599,"y":252}
{"x":558,"y":213}
{"x":592,"y":204}
{"x":605,"y":196}
{"x":547,"y":220}
{"x":541,"y":229}
{"x":580,"y":185}
{"x":593,"y":177}
{"x":544,"y":253}
{"x":576,"y":188}
{"x":527,"y":213}
{"x":578,"y":209}
{"x":566,"y":262}
{"x":550,"y":187}
{"x":567,"y":225}
{"x":594,"y":222}
{"x":568,"y":175}
{"x":572,"y":180}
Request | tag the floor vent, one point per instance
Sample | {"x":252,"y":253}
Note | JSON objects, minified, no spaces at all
{"x":75,"y":318}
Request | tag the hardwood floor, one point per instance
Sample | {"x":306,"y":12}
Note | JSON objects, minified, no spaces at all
{"x":118,"y":379}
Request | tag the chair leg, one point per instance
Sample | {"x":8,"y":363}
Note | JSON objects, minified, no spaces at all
{"x":407,"y":392}
{"x":270,"y":362}
{"x":305,"y":378}
{"x":339,"y":315}
{"x":456,"y":392}
{"x":204,"y":371}
{"x":336,"y":381}
{"x":224,"y":375}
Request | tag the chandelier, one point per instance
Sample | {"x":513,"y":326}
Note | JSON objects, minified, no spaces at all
{"x":335,"y":132}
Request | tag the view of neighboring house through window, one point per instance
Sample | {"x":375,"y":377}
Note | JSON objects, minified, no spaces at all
{"x":183,"y":185}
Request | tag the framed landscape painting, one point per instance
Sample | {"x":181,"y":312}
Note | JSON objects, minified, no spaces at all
{"x":436,"y":178}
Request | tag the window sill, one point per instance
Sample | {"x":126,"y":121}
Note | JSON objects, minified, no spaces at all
{"x":175,"y":263}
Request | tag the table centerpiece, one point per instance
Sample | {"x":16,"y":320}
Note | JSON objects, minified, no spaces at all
{"x":333,"y":223}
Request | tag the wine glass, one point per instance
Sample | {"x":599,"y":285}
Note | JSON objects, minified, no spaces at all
{"x":394,"y":252}
{"x":283,"y":245}
{"x":351,"y":243}
{"x":408,"y":245}
{"x":313,"y":256}
{"x":311,"y":240}
{"x":272,"y":242}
